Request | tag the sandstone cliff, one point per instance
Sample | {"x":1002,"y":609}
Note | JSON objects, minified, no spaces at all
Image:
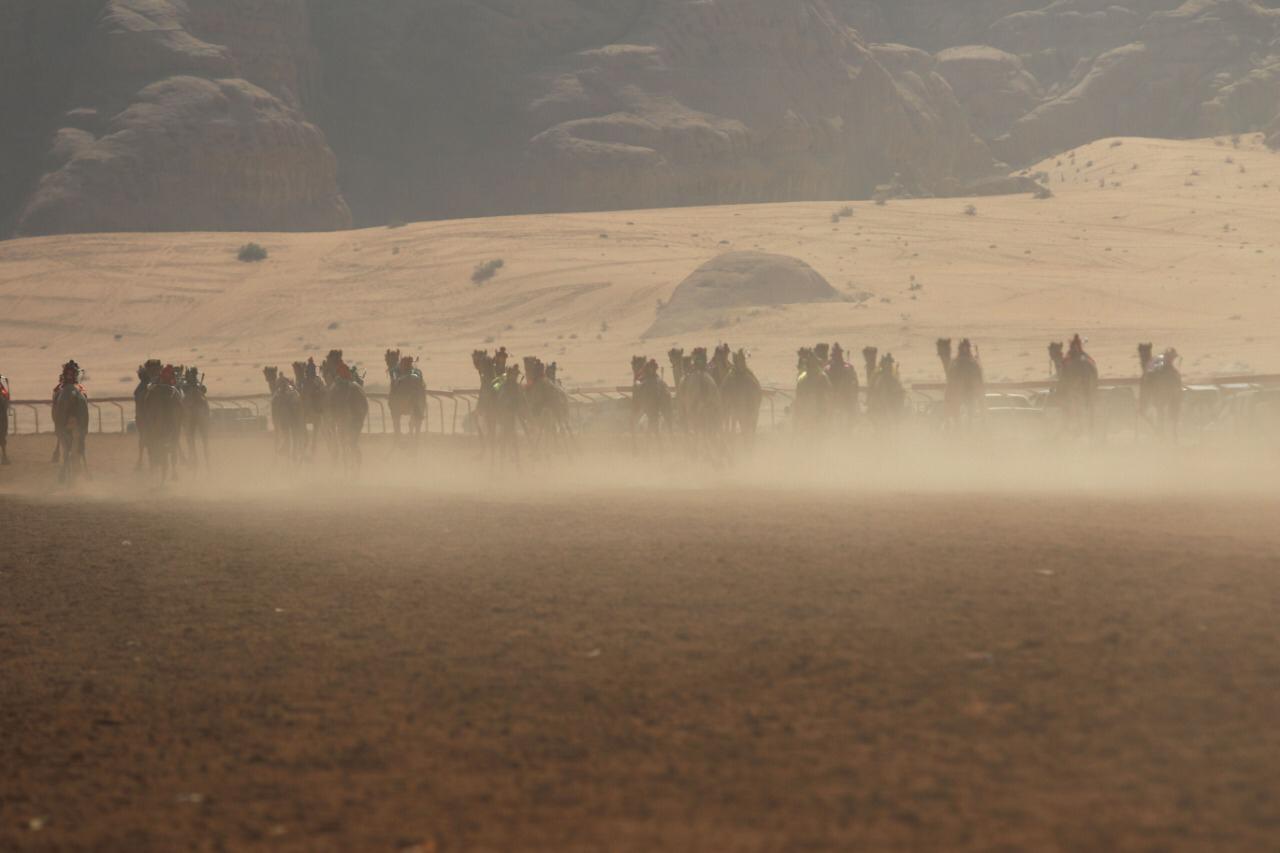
{"x":288,"y":114}
{"x":163,"y":129}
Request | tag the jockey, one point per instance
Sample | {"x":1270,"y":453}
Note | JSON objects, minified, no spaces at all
{"x":4,"y":387}
{"x":650,"y":370}
{"x":169,"y":375}
{"x":343,"y":371}
{"x":406,"y":366}
{"x":837,"y":357}
{"x":70,"y":376}
{"x":500,"y":359}
{"x":1076,"y":348}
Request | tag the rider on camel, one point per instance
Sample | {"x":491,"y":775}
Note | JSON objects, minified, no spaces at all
{"x":71,"y":374}
{"x":837,"y":357}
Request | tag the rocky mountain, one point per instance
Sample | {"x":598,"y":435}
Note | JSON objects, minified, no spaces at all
{"x":314,"y":114}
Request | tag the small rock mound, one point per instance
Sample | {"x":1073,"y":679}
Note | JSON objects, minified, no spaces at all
{"x":738,"y":280}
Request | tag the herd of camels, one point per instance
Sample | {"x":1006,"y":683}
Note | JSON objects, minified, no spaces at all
{"x":714,"y":401}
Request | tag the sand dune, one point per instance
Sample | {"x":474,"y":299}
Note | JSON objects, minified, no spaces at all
{"x":1172,"y":241}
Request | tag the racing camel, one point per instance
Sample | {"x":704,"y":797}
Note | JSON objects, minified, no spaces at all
{"x":164,"y":415}
{"x":1160,"y":391}
{"x":346,"y":409}
{"x":965,"y":400}
{"x":843,"y":377}
{"x":886,"y":396}
{"x":812,"y":407}
{"x":287,"y":416}
{"x":650,"y":400}
{"x":701,"y":409}
{"x":196,"y":416}
{"x":740,"y":390}
{"x":148,"y":374}
{"x":408,"y":397}
{"x":312,"y":392}
{"x":548,"y":408}
{"x":71,"y":423}
{"x":1076,"y":391}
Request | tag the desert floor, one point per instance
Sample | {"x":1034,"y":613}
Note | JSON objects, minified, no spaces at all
{"x":1081,"y":653}
{"x":1175,"y":242}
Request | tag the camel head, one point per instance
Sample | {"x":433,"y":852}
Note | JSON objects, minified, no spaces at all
{"x":822,"y":352}
{"x":944,"y":352}
{"x":837,"y":356}
{"x":1055,"y":355}
{"x":392,"y":358}
{"x":1144,"y":356}
{"x":676,"y":355}
{"x":699,"y":358}
{"x":299,"y":372}
{"x":722,"y":355}
{"x":637,"y":366}
{"x":1077,"y":346}
{"x":740,"y":360}
{"x":500,"y":359}
{"x":869,"y":355}
{"x":1171,"y":357}
{"x":272,"y":375}
{"x":802,"y":358}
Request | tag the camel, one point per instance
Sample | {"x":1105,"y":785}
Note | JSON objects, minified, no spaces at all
{"x":408,"y":397}
{"x":547,"y":404}
{"x":721,"y":364}
{"x":311,"y":390}
{"x":650,"y":399}
{"x":164,"y":411}
{"x":812,"y":407}
{"x":742,"y":396}
{"x":4,"y":420}
{"x":1160,"y":391}
{"x":346,"y":409}
{"x":287,"y":415}
{"x":676,"y":356}
{"x":886,"y":396}
{"x":843,"y":377}
{"x":148,"y":374}
{"x":701,"y":408}
{"x":965,"y":400}
{"x":196,"y":414}
{"x":1076,"y":391}
{"x":509,"y":413}
{"x":489,"y":385}
{"x":71,"y":424}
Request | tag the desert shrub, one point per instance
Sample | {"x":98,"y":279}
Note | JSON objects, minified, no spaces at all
{"x":251,"y":252}
{"x":487,"y":270}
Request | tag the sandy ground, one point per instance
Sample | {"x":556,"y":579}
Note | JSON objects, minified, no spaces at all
{"x":652,"y":657}
{"x":1179,"y":245}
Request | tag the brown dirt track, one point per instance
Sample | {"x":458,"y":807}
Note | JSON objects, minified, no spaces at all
{"x":379,"y":667}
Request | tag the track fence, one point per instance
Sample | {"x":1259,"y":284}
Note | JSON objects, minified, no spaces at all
{"x":605,"y":408}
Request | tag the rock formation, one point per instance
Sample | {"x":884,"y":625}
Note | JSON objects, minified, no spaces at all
{"x":126,"y":114}
{"x":738,"y":280}
{"x":163,"y":129}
